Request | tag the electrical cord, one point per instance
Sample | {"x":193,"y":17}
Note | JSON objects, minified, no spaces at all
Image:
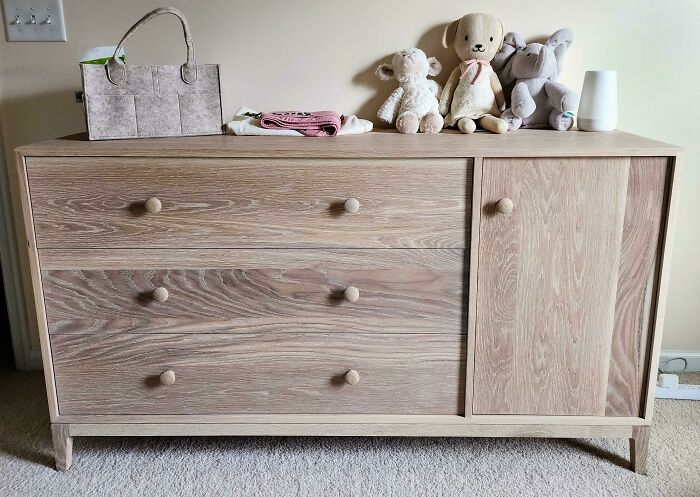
{"x":685,"y":364}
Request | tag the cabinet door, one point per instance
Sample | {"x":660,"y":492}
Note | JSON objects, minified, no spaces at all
{"x":553,"y":329}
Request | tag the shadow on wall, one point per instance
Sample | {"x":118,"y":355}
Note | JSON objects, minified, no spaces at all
{"x":431,"y":43}
{"x":40,"y":117}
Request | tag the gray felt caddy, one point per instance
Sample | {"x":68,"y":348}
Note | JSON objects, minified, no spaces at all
{"x":133,"y":101}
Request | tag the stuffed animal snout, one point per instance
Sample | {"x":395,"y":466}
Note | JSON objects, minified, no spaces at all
{"x":535,"y":61}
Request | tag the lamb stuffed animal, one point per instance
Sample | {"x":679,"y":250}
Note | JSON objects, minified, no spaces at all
{"x":473,"y":93}
{"x":537,"y":100}
{"x":413,"y":105}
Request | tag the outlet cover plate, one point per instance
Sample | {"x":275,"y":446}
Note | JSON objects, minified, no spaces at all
{"x":48,"y":22}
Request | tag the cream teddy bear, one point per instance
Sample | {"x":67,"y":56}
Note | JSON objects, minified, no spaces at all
{"x":473,"y":93}
{"x":413,"y":106}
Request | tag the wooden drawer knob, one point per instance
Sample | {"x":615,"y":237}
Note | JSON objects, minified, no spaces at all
{"x":351,"y":205}
{"x":153,"y":205}
{"x":351,"y":294}
{"x":160,"y":294}
{"x":167,"y":377}
{"x":504,"y":206}
{"x":352,"y":377}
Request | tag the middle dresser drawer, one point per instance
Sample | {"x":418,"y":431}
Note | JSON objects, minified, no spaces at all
{"x":131,"y":202}
{"x":314,"y":290}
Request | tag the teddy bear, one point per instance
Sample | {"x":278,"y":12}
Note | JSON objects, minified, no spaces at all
{"x":473,"y":93}
{"x":413,"y":106}
{"x":537,"y":100}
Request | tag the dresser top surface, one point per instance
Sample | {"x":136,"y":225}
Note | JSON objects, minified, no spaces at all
{"x":378,"y":144}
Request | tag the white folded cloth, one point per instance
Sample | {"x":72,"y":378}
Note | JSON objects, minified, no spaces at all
{"x":246,"y":121}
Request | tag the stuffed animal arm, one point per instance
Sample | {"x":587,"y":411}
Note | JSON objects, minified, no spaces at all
{"x":522,"y":104}
{"x":563,"y":99}
{"x":448,"y":91}
{"x":434,"y":87}
{"x":389,"y":110}
{"x":498,"y":92}
{"x":413,"y":106}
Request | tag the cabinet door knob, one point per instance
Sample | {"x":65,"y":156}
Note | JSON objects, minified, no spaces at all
{"x":167,"y":377}
{"x":352,"y":377}
{"x":351,"y":205}
{"x":160,"y":294}
{"x":153,"y":205}
{"x":504,"y":206}
{"x":351,"y":294}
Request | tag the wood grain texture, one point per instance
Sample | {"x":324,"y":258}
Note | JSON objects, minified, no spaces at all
{"x":636,"y":286}
{"x":229,"y":203}
{"x":264,"y":295}
{"x":639,"y":449}
{"x":413,"y":384}
{"x":470,"y":300}
{"x":354,"y":419}
{"x":269,"y":373}
{"x":62,"y":446}
{"x":319,"y":259}
{"x":30,"y":273}
{"x":547,"y":280}
{"x":351,"y":430}
{"x":664,"y":274}
{"x":386,"y":144}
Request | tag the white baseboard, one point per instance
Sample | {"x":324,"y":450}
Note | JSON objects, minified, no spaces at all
{"x":673,"y":362}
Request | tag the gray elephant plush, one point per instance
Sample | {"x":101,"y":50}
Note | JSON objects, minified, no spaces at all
{"x":537,"y":100}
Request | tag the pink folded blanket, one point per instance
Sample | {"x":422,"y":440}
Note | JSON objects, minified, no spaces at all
{"x":322,"y":123}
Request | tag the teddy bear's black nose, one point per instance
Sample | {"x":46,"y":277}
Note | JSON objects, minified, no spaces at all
{"x":478,"y":45}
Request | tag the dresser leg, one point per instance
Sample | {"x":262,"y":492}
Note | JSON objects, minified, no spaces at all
{"x":62,"y":446}
{"x":639,"y":449}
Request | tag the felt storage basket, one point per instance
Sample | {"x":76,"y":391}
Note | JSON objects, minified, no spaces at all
{"x":139,"y":101}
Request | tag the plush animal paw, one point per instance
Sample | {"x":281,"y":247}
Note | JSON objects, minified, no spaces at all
{"x":513,"y":121}
{"x":407,"y":123}
{"x":443,"y":107}
{"x":523,"y":107}
{"x":466,"y":125}
{"x":431,"y":123}
{"x":561,"y":121}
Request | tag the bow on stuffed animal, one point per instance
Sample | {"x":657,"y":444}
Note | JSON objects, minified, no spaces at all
{"x":537,"y":100}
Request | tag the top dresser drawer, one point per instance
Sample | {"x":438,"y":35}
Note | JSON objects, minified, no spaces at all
{"x":91,"y":202}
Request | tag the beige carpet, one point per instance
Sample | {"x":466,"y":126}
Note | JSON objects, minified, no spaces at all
{"x":322,"y":467}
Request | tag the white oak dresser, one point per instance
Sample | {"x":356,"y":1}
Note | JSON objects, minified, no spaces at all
{"x":386,"y":284}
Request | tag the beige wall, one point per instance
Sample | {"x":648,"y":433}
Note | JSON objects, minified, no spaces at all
{"x":313,"y":54}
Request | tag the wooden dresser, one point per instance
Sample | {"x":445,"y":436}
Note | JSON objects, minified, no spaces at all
{"x":386,"y":284}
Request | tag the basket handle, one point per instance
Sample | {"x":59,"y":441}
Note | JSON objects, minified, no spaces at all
{"x":116,"y":70}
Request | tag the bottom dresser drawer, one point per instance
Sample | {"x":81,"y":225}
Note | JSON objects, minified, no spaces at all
{"x":272,"y":373}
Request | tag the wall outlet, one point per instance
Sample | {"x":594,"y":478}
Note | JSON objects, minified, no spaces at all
{"x":34,"y":20}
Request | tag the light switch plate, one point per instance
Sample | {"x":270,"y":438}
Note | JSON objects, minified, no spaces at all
{"x":34,"y":20}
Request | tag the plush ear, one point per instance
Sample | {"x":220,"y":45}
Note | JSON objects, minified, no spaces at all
{"x":385,"y":72}
{"x":448,"y":35}
{"x":503,"y":59}
{"x":503,"y":34}
{"x":515,"y":40}
{"x":560,"y":41}
{"x":434,"y":66}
